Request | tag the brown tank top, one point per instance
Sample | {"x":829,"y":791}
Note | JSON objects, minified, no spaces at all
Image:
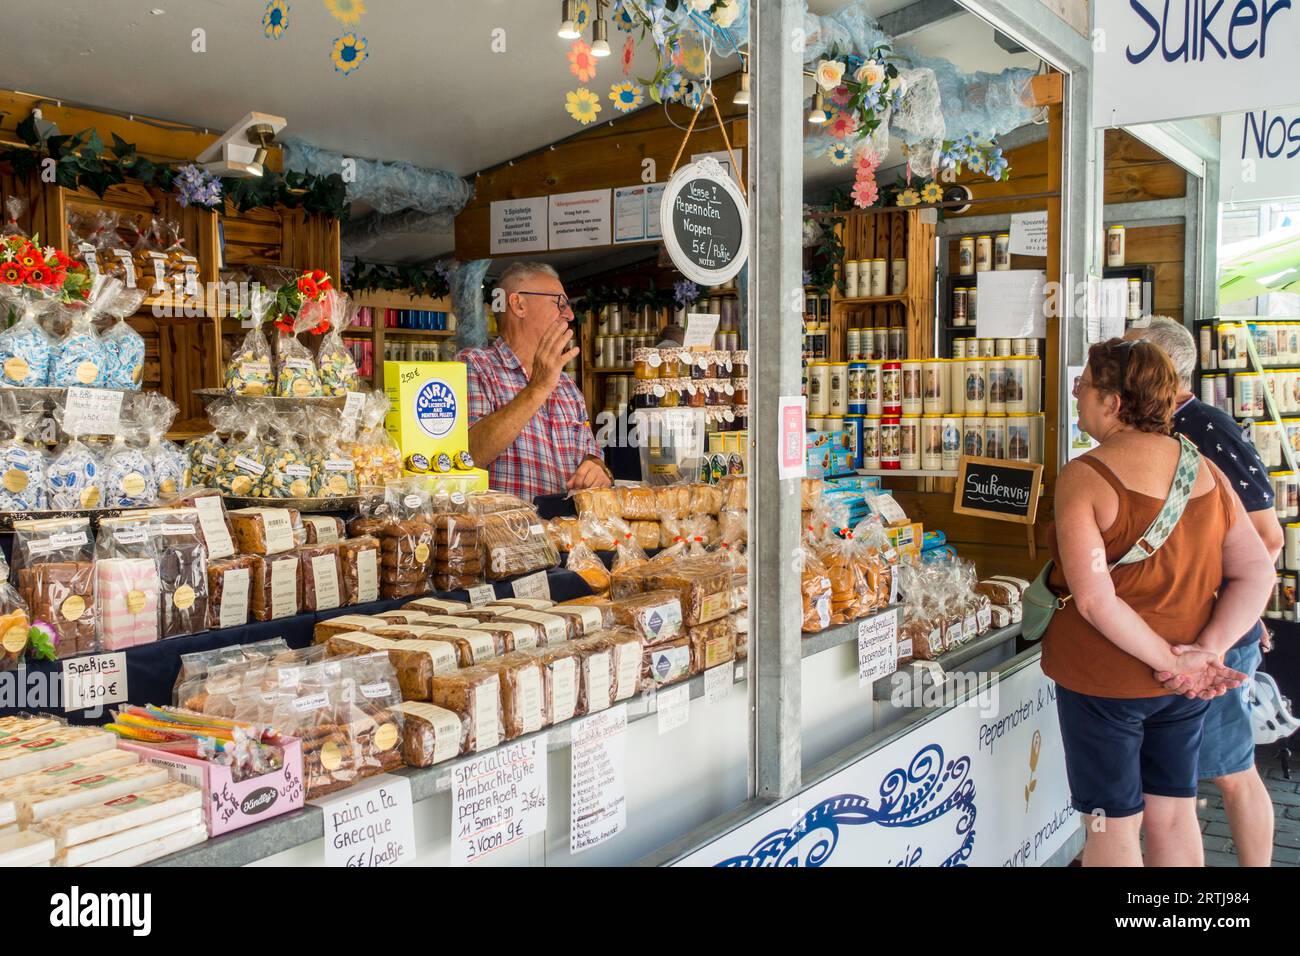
{"x":1173,"y":590}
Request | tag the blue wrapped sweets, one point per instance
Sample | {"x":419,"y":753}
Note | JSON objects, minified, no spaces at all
{"x":26,"y":350}
{"x":123,"y":346}
{"x":128,"y":476}
{"x":75,"y":478}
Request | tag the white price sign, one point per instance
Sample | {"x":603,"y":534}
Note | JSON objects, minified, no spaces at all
{"x":598,"y":791}
{"x":674,"y":707}
{"x":533,"y":586}
{"x":94,"y":682}
{"x":483,"y":594}
{"x":351,"y":411}
{"x":877,"y":648}
{"x":93,"y":411}
{"x":718,"y":681}
{"x":371,"y":824}
{"x":498,"y":800}
{"x":701,"y":327}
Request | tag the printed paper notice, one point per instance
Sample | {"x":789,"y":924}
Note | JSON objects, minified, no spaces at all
{"x":877,"y":648}
{"x":234,"y":598}
{"x":674,"y":707}
{"x":718,"y":681}
{"x":578,"y":220}
{"x":498,"y":800}
{"x":1028,"y":234}
{"x":93,"y":411}
{"x":371,"y":824}
{"x":597,"y":788}
{"x":701,"y":327}
{"x":793,"y":411}
{"x":1080,"y":440}
{"x":654,"y":194}
{"x":518,"y":225}
{"x":94,"y":682}
{"x":1012,"y":304}
{"x":630,"y":214}
{"x":533,"y":586}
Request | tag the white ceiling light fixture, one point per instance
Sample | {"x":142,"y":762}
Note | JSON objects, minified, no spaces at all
{"x":240,"y":152}
{"x":568,"y":13}
{"x":742,"y":94}
{"x":600,"y":36}
{"x":817,"y":115}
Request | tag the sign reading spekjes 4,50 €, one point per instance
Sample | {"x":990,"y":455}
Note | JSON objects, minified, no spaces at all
{"x":998,"y":489}
{"x":705,"y":223}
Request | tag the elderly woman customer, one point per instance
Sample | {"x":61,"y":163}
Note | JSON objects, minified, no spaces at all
{"x":1127,"y":630}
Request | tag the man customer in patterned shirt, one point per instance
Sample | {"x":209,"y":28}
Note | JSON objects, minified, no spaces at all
{"x":1227,"y":755}
{"x":528,"y":421}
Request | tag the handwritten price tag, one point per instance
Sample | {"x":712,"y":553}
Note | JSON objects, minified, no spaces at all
{"x":370,"y":825}
{"x":533,"y":586}
{"x":94,"y":681}
{"x":498,"y":799}
{"x":483,"y":594}
{"x":877,"y":648}
{"x":718,"y":681}
{"x":674,"y":706}
{"x":93,"y":411}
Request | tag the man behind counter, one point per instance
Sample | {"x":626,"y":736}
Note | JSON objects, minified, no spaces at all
{"x":528,"y":421}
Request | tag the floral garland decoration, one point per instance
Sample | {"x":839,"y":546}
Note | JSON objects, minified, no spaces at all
{"x":196,"y":187}
{"x":976,"y":154}
{"x":83,"y":161}
{"x":418,"y":281}
{"x":685,"y":293}
{"x":863,"y":89}
{"x":348,"y":53}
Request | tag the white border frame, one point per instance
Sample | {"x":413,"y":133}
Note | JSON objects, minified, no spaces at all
{"x":711,"y":170}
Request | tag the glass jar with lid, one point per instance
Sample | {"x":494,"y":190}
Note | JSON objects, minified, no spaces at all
{"x":696,"y":394}
{"x":672,"y":392}
{"x":701,"y":367}
{"x":740,"y":364}
{"x":643,"y":395}
{"x":642,"y":367}
{"x":741,"y":386}
{"x":742,"y":417}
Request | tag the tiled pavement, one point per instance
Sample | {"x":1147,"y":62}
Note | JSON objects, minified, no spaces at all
{"x":1219,"y":850}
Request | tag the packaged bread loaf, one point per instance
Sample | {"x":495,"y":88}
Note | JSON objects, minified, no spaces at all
{"x":712,"y":644}
{"x":585,"y":563}
{"x":523,"y":604}
{"x":595,"y":673}
{"x":324,"y":529}
{"x":597,"y":502}
{"x":637,"y":504}
{"x":515,"y":543}
{"x":472,"y":647}
{"x":666,"y":663}
{"x":345,"y":624}
{"x":735,"y":493}
{"x":1000,"y":592}
{"x":523,"y":707}
{"x":672,"y":501}
{"x":646,"y":534}
{"x":815,"y":594}
{"x":655,"y":615}
{"x":701,"y":584}
{"x":564,"y":532}
{"x":583,"y":620}
{"x":431,"y":734}
{"x":475,"y":694}
{"x":415,"y":662}
{"x":182,"y":571}
{"x":705,"y":499}
{"x":551,"y":628}
{"x":483,"y":612}
{"x":811,"y":493}
{"x":436,"y":606}
{"x":560,"y":682}
{"x":509,"y":636}
{"x":262,"y":530}
{"x":276,"y":586}
{"x":321,"y":575}
{"x":741,"y":623}
{"x":359,"y":566}
{"x":404,"y":616}
{"x":229,"y":591}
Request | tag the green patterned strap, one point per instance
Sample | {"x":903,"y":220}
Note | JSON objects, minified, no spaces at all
{"x":1189,"y":466}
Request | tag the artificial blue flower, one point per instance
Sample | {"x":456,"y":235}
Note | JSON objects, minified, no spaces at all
{"x":685,"y":293}
{"x":670,"y":87}
{"x":195,"y":187}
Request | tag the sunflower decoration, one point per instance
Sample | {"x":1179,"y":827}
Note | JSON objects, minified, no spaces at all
{"x":582,"y":63}
{"x":275,"y":20}
{"x":583,"y":105}
{"x":346,"y":11}
{"x":931,"y":193}
{"x":349,"y":52}
{"x":839,"y":154}
{"x":627,"y":96}
{"x":624,"y":19}
{"x":908,"y":197}
{"x":582,"y":15}
{"x":693,"y":58}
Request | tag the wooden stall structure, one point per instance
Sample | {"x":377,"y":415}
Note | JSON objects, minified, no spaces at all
{"x":187,"y":340}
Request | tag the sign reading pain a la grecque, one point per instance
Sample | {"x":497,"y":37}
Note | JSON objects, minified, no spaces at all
{"x":705,"y":223}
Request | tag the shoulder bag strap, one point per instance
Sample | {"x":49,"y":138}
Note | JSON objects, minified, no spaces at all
{"x":1180,"y":491}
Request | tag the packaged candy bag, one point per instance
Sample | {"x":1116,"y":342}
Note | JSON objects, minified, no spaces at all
{"x":375,"y":454}
{"x":171,"y":469}
{"x":75,"y":478}
{"x":249,"y":371}
{"x":22,"y":463}
{"x":296,"y":372}
{"x":15,"y":206}
{"x":123,"y":346}
{"x":26,"y":349}
{"x":338,"y":369}
{"x":337,"y":477}
{"x":289,"y":470}
{"x":128,"y":474}
{"x":81,"y":359}
{"x":241,"y":465}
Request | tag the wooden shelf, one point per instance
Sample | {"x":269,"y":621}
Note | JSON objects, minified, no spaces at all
{"x":870,"y":300}
{"x":905,"y":473}
{"x":419,"y":333}
{"x":612,"y":370}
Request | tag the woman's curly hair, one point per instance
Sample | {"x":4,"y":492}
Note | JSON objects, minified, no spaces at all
{"x":1148,"y":391}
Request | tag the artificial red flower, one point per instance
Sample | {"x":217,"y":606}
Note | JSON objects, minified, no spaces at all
{"x":320,"y":276}
{"x":307,"y":286}
{"x":11,"y":273}
{"x":59,"y":277}
{"x":39,"y":275}
{"x":65,"y":261}
{"x":284,"y":326}
{"x":28,"y":257}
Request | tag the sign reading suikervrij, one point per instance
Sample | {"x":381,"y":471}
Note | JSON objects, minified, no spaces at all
{"x":1259,"y":155}
{"x":1157,"y":60}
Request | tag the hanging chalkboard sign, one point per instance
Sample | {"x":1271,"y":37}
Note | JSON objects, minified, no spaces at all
{"x":998,"y":489}
{"x":705,"y":223}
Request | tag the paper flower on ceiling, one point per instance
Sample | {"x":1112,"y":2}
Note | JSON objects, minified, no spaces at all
{"x":842,"y":125}
{"x":582,"y":14}
{"x":932,"y":192}
{"x":840,"y":96}
{"x":629,"y":51}
{"x":583,"y":105}
{"x":623,"y":17}
{"x":839,"y":154}
{"x":908,"y":197}
{"x":349,"y":53}
{"x":581,"y":63}
{"x":670,"y":87}
{"x":346,"y":11}
{"x":865,"y":190}
{"x":693,"y":59}
{"x":276,"y":19}
{"x":627,"y":96}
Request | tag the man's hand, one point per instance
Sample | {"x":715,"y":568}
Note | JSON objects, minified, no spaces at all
{"x":590,"y":474}
{"x":553,"y":353}
{"x":1198,"y":673}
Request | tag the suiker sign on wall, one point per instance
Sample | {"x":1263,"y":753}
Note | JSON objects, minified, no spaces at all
{"x":1169,"y":59}
{"x":1260,"y":155}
